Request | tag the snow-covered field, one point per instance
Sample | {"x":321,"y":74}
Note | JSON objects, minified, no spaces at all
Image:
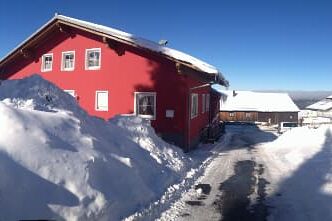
{"x":300,"y":172}
{"x":57,"y":162}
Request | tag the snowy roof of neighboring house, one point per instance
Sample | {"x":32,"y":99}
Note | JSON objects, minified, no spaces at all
{"x":258,"y":101}
{"x":133,"y":40}
{"x":322,"y":105}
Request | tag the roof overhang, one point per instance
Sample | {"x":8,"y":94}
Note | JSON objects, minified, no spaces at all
{"x":61,"y":23}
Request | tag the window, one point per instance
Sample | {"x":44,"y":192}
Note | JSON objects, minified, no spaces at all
{"x":92,"y":58}
{"x":194,"y":105}
{"x":145,"y":104}
{"x":101,"y":101}
{"x":231,"y":114}
{"x":47,"y":60}
{"x":68,"y":61}
{"x":207,"y":102}
{"x":203,"y":103}
{"x":248,"y":115}
{"x":71,"y":92}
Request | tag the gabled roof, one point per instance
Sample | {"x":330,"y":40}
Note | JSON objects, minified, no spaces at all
{"x":323,"y":105}
{"x":258,"y":102}
{"x":130,"y":39}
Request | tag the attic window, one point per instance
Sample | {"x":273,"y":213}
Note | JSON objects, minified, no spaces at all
{"x":47,"y":61}
{"x":68,"y":61}
{"x":92,"y":58}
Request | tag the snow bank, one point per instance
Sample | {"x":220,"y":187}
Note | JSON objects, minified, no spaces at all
{"x":299,"y":166}
{"x":57,"y":162}
{"x":296,"y":146}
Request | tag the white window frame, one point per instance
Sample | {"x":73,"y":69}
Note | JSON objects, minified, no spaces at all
{"x":150,"y":117}
{"x":192,"y":107}
{"x":71,"y":92}
{"x":203,"y":103}
{"x":43,"y":62}
{"x":96,"y":101}
{"x":207,"y":104}
{"x":231,"y":114}
{"x":248,"y":115}
{"x":86,"y":59}
{"x":63,"y":61}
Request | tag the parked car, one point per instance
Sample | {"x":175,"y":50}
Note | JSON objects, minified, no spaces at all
{"x":285,"y":126}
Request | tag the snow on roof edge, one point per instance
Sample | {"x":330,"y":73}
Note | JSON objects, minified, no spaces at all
{"x":258,"y":102}
{"x":28,"y":38}
{"x":144,"y":43}
{"x":322,"y":105}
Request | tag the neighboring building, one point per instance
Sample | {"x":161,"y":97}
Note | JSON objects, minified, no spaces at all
{"x":111,"y":72}
{"x":321,"y":108}
{"x":248,"y":106}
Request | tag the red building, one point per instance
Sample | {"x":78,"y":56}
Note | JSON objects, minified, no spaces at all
{"x":112,"y":72}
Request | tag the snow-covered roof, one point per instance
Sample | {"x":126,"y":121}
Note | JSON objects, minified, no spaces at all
{"x":258,"y":101}
{"x":179,"y":56}
{"x":322,"y":105}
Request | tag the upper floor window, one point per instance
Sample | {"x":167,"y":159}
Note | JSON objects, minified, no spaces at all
{"x":194,"y":105}
{"x":47,"y":61}
{"x":68,"y":61}
{"x":145,"y":104}
{"x":92,"y":58}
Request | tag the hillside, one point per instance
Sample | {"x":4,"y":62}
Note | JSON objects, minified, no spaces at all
{"x":304,"y":98}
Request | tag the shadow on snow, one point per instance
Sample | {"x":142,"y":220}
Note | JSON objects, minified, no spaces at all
{"x":301,"y":196}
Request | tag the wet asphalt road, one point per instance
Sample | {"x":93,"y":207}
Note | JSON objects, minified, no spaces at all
{"x":232,"y":187}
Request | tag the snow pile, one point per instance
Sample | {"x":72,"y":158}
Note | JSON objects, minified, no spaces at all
{"x":296,"y":146}
{"x":57,"y":162}
{"x":300,"y":172}
{"x":158,"y":149}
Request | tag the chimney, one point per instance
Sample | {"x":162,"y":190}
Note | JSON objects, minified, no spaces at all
{"x":234,"y":93}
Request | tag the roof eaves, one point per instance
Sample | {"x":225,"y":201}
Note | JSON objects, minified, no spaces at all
{"x":127,"y":39}
{"x":143,"y":43}
{"x":28,"y":38}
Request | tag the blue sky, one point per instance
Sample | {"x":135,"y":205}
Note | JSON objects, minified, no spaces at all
{"x":257,"y":44}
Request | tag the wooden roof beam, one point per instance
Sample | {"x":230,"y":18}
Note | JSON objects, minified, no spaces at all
{"x":27,"y":53}
{"x":114,"y":45}
{"x":185,"y":70}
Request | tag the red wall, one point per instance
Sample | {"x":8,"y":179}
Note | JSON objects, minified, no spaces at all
{"x":202,"y":119}
{"x":121,"y":76}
